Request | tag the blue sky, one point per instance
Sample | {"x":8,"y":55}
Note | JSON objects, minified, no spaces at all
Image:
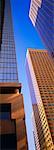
{"x":26,"y":36}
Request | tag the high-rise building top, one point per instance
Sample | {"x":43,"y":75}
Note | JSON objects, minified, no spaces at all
{"x":41,"y":14}
{"x":40,"y":73}
{"x":8,"y":65}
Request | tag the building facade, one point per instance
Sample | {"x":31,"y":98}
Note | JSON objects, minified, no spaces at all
{"x":12,"y":115}
{"x":41,"y":14}
{"x":40,"y":74}
{"x":8,"y":65}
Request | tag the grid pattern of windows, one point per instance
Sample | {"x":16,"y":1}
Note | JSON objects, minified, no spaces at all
{"x":39,"y":127}
{"x":44,"y":71}
{"x":40,"y":73}
{"x":35,"y":132}
{"x":8,"y":65}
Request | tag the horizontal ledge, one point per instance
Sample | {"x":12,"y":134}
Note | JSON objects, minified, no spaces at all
{"x":10,"y":86}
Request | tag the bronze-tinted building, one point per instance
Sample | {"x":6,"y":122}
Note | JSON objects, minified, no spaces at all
{"x":40,"y":73}
{"x":12,"y":115}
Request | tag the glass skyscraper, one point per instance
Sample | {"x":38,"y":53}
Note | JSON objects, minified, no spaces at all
{"x":12,"y":115}
{"x":40,"y":74}
{"x":41,"y":14}
{"x":8,"y":65}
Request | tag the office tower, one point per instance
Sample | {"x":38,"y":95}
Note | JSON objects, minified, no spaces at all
{"x":8,"y":66}
{"x":40,"y":74}
{"x":41,"y":14}
{"x":12,"y":115}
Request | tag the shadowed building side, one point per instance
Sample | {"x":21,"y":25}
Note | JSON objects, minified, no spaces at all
{"x":15,"y":114}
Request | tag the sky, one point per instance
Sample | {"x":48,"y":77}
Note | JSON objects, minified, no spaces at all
{"x":26,"y":36}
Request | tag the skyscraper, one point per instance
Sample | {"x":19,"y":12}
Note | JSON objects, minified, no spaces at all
{"x":40,"y":74}
{"x":8,"y":65}
{"x":41,"y":14}
{"x":12,"y":116}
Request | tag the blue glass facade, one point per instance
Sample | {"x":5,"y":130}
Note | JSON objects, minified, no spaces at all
{"x":45,"y":23}
{"x":41,"y":14}
{"x":8,"y":65}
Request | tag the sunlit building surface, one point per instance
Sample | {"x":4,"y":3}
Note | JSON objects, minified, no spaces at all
{"x":41,"y":14}
{"x":12,"y":116}
{"x":40,"y":74}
